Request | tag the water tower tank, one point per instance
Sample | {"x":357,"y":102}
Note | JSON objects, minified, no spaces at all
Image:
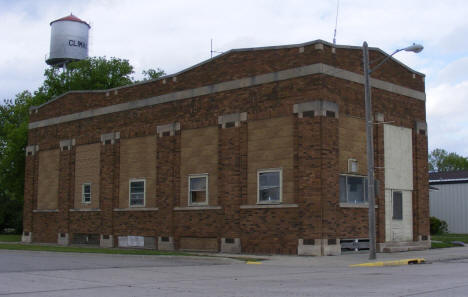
{"x":68,"y":40}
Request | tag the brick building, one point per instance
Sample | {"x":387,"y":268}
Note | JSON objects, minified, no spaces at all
{"x":258,"y":150}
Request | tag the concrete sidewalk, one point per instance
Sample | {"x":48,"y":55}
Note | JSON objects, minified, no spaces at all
{"x":430,"y":255}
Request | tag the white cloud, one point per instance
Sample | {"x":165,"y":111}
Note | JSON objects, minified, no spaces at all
{"x":447,"y":119}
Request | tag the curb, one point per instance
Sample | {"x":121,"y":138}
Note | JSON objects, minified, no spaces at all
{"x":253,"y":262}
{"x":391,"y":263}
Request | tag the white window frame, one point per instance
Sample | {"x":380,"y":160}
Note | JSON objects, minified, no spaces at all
{"x":83,"y":193}
{"x":364,"y":177}
{"x":130,"y":191}
{"x":280,"y":170}
{"x":190,"y":203}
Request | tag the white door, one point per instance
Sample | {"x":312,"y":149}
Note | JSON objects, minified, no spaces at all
{"x":399,"y":215}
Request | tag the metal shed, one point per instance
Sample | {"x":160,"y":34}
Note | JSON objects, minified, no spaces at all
{"x":449,"y":199}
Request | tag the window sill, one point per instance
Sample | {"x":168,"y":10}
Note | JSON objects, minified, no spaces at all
{"x":84,"y":209}
{"x":279,"y":205}
{"x":197,"y":208}
{"x":355,"y":205}
{"x":45,"y":210}
{"x":137,"y":209}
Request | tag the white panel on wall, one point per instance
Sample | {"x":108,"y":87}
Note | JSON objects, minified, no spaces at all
{"x":398,"y":151}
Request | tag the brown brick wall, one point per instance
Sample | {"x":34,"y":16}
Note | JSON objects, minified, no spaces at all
{"x":270,"y":145}
{"x":138,"y":161}
{"x":87,"y":170}
{"x":199,"y":154}
{"x":352,"y":143}
{"x":47,"y":196}
{"x":232,"y":66}
{"x":312,"y":153}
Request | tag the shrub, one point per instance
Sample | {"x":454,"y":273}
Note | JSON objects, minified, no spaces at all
{"x":438,"y":226}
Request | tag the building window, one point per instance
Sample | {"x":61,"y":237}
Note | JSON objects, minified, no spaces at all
{"x":269,"y":185}
{"x":86,"y":193}
{"x":397,"y":205}
{"x":137,"y":192}
{"x":198,"y":189}
{"x":353,"y":189}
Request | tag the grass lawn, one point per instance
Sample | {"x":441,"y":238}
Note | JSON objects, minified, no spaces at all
{"x":113,"y":251}
{"x":10,"y":237}
{"x":446,"y":239}
{"x":79,"y":249}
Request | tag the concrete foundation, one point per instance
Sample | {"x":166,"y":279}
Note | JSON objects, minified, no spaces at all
{"x":309,"y":247}
{"x":63,"y":239}
{"x":26,"y":237}
{"x":403,"y":246}
{"x":319,"y":247}
{"x":165,"y":243}
{"x":106,"y":241}
{"x":331,"y":247}
{"x":231,"y":245}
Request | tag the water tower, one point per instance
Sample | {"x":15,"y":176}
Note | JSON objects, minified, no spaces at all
{"x":68,"y":41}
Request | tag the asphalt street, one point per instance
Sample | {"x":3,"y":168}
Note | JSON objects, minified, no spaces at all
{"x":25,"y":273}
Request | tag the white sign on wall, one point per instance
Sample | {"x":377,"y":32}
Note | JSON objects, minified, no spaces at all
{"x":131,"y":241}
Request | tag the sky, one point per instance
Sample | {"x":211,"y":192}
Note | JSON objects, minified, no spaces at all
{"x":174,"y":35}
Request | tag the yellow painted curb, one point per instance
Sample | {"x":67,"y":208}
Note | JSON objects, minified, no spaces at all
{"x":390,"y":263}
{"x":253,"y":262}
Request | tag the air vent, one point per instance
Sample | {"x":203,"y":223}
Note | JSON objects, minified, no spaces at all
{"x":353,"y":165}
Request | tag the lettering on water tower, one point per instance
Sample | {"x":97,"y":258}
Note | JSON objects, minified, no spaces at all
{"x":77,"y":43}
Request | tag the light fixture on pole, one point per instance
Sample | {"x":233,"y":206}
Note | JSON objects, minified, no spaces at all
{"x":370,"y":143}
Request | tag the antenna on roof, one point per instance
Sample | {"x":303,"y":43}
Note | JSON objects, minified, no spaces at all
{"x":213,"y":51}
{"x":336,"y":21}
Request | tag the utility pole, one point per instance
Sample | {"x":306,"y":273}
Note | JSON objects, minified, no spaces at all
{"x":370,"y":152}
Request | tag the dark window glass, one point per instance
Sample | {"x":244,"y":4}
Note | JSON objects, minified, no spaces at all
{"x":397,"y":206}
{"x":86,"y":193}
{"x":269,"y":186}
{"x":137,"y":193}
{"x":198,"y":189}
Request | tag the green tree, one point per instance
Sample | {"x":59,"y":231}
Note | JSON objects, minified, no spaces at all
{"x":441,"y":160}
{"x":153,"y":74}
{"x":13,"y":139}
{"x":91,"y":74}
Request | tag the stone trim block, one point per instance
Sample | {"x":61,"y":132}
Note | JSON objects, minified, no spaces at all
{"x":421,"y":127}
{"x":84,"y":209}
{"x":319,"y":107}
{"x":165,"y":243}
{"x":198,"y":208}
{"x":67,"y":144}
{"x":110,"y":137}
{"x":310,"y":247}
{"x":63,"y":239}
{"x":106,"y":241}
{"x":137,"y":209}
{"x":26,"y":237}
{"x":319,"y":247}
{"x":168,"y":129}
{"x":235,"y":118}
{"x":45,"y":210}
{"x":31,"y":150}
{"x":230,"y":245}
{"x":379,"y":117}
{"x":356,"y":205}
{"x":318,"y":46}
{"x":279,"y":205}
{"x":331,"y":247}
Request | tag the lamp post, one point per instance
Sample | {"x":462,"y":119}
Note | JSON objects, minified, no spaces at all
{"x":370,"y":138}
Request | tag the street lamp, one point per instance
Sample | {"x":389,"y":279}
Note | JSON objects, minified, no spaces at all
{"x":416,"y":48}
